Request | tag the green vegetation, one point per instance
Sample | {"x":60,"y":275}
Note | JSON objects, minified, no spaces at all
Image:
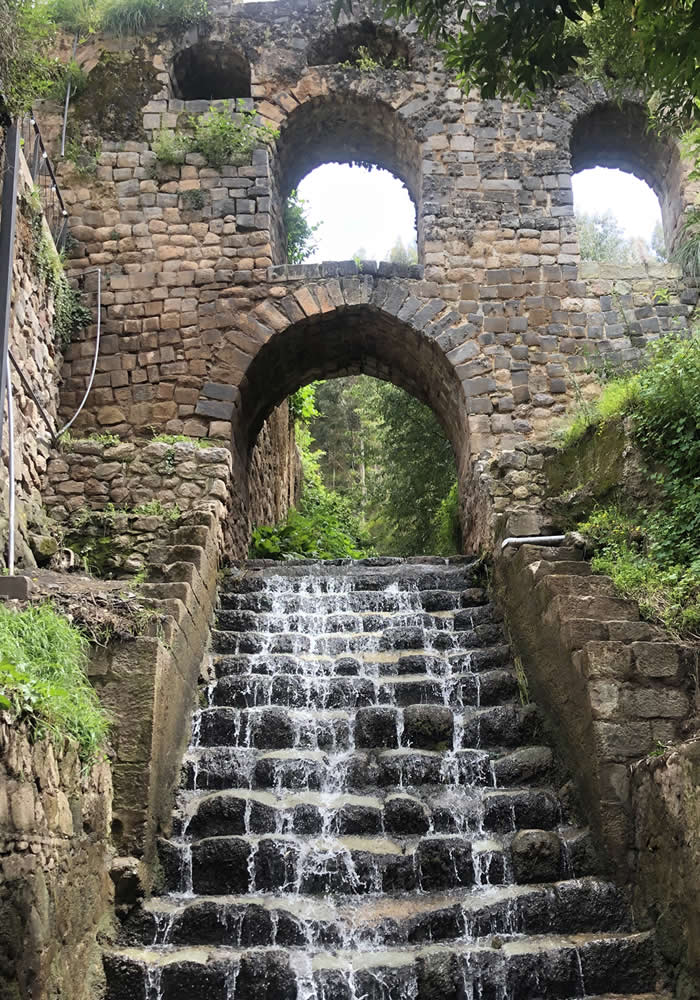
{"x":652,"y":553}
{"x":155,"y":508}
{"x":70,"y":313}
{"x":67,"y":441}
{"x":28,"y":29}
{"x":184,"y":439}
{"x":26,"y":71}
{"x":171,"y":147}
{"x":300,"y":232}
{"x":516,"y":49}
{"x":601,"y":238}
{"x":323,"y":526}
{"x":223,"y":135}
{"x":194,"y":199}
{"x":134,"y":17}
{"x":43,"y":681}
{"x":302,"y":404}
{"x":379,"y":475}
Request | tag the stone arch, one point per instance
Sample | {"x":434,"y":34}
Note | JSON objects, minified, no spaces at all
{"x":350,"y":340}
{"x":383,"y":44}
{"x":345,"y":128}
{"x":354,"y":340}
{"x":618,"y":136}
{"x":210,"y":70}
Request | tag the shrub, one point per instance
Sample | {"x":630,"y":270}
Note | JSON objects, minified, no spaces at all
{"x":322,"y":527}
{"x":630,"y":551}
{"x":665,"y":408}
{"x":223,"y":139}
{"x":300,"y":232}
{"x":70,"y":314}
{"x":652,"y":555}
{"x":43,"y":679}
{"x":302,"y":404}
{"x":171,"y":147}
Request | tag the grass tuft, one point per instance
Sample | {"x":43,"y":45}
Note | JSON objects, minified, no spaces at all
{"x":43,"y":679}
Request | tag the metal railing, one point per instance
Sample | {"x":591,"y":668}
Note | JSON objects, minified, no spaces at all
{"x":44,"y":178}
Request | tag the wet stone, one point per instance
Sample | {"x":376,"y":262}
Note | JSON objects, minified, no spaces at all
{"x":334,"y":819}
{"x":407,"y":816}
{"x":536,"y":856}
{"x":220,"y":866}
{"x":376,"y":727}
{"x":428,"y":727}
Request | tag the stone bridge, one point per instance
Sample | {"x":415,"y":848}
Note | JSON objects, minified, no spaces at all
{"x":206,"y":330}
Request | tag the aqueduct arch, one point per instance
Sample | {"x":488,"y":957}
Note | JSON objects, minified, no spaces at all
{"x":346,"y":127}
{"x":195,"y":290}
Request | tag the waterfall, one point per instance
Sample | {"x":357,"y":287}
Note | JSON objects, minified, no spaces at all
{"x":368,"y":812}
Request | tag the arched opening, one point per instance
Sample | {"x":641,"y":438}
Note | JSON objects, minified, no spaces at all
{"x":361,"y":340}
{"x":618,"y":218}
{"x":619,"y":137}
{"x":210,"y":71}
{"x":362,"y":45}
{"x":358,"y":213}
{"x":346,"y":129}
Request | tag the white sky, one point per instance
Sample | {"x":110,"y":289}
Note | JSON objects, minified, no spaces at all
{"x":362,"y":208}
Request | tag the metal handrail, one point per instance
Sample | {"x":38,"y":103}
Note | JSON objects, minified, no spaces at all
{"x":43,"y":175}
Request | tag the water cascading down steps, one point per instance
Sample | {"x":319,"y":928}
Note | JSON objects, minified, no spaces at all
{"x":368,"y":811}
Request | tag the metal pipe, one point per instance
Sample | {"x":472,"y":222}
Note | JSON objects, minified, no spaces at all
{"x":8,"y":214}
{"x":533,"y":540}
{"x":94,"y":360}
{"x":11,"y":473}
{"x":30,"y":389}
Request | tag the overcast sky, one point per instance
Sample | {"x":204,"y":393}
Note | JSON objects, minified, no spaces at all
{"x":370,"y":209}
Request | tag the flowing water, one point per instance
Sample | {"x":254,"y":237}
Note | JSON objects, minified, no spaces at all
{"x":368,"y":812}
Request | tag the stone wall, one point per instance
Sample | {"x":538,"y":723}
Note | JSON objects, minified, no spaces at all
{"x":55,"y":890}
{"x":33,"y":345}
{"x":666,"y":796}
{"x":114,"y":501}
{"x":275,"y":471}
{"x":613,"y":687}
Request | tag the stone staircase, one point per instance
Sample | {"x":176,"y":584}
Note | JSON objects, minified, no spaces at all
{"x":368,"y":812}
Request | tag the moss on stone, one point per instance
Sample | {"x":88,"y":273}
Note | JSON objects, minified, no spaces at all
{"x":119,"y":87}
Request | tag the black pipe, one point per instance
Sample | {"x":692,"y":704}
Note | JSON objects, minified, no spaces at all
{"x":8,"y":208}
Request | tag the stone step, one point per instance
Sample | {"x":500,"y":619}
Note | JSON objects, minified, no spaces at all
{"x":342,"y":813}
{"x":425,"y":727}
{"x":304,"y":691}
{"x":355,"y":601}
{"x":349,"y":865}
{"x":413,"y":638}
{"x":573,"y":906}
{"x":289,"y":580}
{"x":364,"y":664}
{"x":357,"y":865}
{"x":338,"y":622}
{"x":312,"y":770}
{"x":547,"y":967}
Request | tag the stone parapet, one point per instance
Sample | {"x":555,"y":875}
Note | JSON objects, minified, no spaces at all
{"x":615,"y":688}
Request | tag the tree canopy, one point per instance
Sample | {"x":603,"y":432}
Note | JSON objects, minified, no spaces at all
{"x":513,"y":48}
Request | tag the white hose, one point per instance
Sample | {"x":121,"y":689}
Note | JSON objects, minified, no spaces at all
{"x":11,"y":471}
{"x":94,"y":360}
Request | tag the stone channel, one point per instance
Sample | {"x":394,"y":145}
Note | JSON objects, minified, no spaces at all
{"x":369,"y":809}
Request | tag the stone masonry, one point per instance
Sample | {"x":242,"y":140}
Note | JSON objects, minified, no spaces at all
{"x":206,"y":329}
